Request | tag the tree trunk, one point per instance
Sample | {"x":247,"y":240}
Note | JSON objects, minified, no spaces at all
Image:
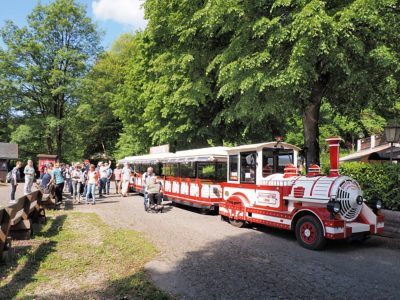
{"x":49,"y":143}
{"x":59,"y":136}
{"x":59,"y":114}
{"x":310,"y":118}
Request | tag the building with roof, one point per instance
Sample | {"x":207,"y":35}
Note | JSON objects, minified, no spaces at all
{"x":374,"y":149}
{"x":8,"y":151}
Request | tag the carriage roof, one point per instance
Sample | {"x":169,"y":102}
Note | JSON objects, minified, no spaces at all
{"x":210,"y":154}
{"x":260,"y":146}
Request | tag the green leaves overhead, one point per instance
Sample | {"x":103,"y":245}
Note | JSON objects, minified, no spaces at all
{"x":43,"y":64}
{"x":207,"y":73}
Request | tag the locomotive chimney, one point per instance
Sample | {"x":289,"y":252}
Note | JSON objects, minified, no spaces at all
{"x":333,"y":143}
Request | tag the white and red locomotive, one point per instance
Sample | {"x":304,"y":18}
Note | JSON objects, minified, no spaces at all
{"x":315,"y":206}
{"x":263,"y":187}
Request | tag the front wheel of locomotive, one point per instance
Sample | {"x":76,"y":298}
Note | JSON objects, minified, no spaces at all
{"x":237,"y":223}
{"x":309,"y":233}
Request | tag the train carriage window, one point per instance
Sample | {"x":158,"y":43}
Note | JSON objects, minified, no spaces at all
{"x":206,"y":171}
{"x":221,"y":171}
{"x":187,"y":170}
{"x":212,"y":171}
{"x":275,"y":160}
{"x":268,"y":163}
{"x":248,"y":165}
{"x":284,"y":158}
{"x":157,"y":169}
{"x":170,"y":169}
{"x":233,"y":167}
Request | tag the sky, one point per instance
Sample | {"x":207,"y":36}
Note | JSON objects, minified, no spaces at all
{"x":114,"y":17}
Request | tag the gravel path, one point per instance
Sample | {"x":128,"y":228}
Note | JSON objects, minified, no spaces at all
{"x":204,"y":258}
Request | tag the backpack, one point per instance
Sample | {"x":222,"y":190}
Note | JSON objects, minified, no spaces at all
{"x":8,"y":177}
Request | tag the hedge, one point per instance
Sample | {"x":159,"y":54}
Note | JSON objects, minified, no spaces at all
{"x":378,"y":181}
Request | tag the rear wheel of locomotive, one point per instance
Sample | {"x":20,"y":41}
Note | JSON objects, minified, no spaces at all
{"x":309,"y":233}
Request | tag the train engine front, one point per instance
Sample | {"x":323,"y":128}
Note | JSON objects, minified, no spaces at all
{"x":331,"y":207}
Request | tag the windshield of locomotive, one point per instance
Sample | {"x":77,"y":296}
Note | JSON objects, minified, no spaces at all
{"x":275,"y":160}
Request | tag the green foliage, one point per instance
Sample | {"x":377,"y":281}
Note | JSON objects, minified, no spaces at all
{"x":378,"y":181}
{"x":292,"y":54}
{"x":58,"y":257}
{"x":203,"y":73}
{"x":42,"y":65}
{"x":231,"y":72}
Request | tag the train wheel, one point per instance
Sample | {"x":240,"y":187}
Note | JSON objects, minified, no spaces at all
{"x":204,"y":211}
{"x":237,"y":223}
{"x":309,"y":233}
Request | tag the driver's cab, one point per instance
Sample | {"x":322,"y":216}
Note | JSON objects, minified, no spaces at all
{"x":252,"y":164}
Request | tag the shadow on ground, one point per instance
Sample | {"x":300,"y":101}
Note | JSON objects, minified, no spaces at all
{"x":26,"y":274}
{"x":262,"y":264}
{"x":270,"y":264}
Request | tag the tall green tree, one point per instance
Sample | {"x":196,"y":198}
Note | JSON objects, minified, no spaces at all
{"x":43,"y":64}
{"x":168,"y":95}
{"x":292,"y":54}
{"x":96,"y":124}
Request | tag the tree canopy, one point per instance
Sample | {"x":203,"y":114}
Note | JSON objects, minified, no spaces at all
{"x":204,"y":73}
{"x":42,"y":66}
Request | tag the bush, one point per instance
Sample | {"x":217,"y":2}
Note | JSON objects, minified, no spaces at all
{"x":378,"y":181}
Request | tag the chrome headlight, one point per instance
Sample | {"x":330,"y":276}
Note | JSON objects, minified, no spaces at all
{"x":333,"y":207}
{"x":375,"y":204}
{"x":378,"y":204}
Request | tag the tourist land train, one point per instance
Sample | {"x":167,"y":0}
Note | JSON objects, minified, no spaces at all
{"x":259,"y":184}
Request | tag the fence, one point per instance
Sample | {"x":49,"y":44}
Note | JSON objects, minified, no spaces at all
{"x":18,"y":218}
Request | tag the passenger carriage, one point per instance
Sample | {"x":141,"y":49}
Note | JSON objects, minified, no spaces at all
{"x":191,"y":177}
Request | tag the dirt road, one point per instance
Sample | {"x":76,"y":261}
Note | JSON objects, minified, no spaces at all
{"x":202,"y":257}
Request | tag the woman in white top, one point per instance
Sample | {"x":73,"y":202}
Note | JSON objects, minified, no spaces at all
{"x":29,"y":172}
{"x":76,"y":177}
{"x":126,"y":178}
{"x":93,"y":177}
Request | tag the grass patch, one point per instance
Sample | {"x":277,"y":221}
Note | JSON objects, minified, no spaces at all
{"x":75,"y":256}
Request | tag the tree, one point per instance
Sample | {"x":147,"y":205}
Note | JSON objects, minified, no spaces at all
{"x":94,"y":114}
{"x":43,"y":65}
{"x":169,"y":97}
{"x":292,"y":54}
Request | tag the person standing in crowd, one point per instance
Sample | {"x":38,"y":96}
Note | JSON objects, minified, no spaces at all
{"x":85,"y":170}
{"x":44,"y":183}
{"x":50,"y":169}
{"x":109,"y":175}
{"x":91,"y":184}
{"x":102,"y":178}
{"x":58,"y":179}
{"x":117,"y":179}
{"x":76,"y":179}
{"x":103,"y":171}
{"x":67,"y":178}
{"x":29,"y":172}
{"x":15,"y":176}
{"x":126,"y":177}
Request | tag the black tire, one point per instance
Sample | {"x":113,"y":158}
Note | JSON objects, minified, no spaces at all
{"x":237,"y":223}
{"x":309,"y":233}
{"x":224,"y":218}
{"x":204,"y":211}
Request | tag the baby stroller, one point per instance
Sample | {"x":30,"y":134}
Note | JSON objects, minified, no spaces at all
{"x":149,"y":199}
